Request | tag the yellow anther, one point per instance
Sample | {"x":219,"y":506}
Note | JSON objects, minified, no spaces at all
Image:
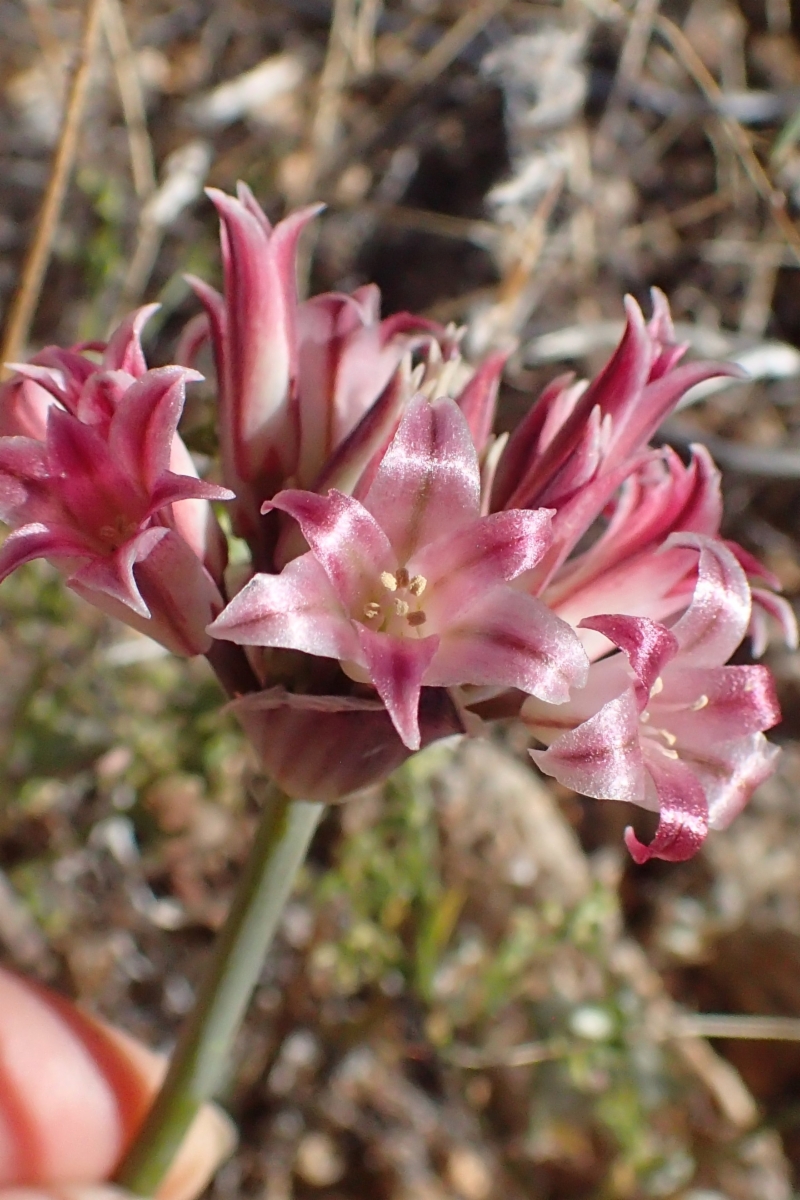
{"x":657,"y":687}
{"x":401,"y":577}
{"x":668,"y":753}
{"x":401,"y":608}
{"x":700,"y":703}
{"x":388,"y":580}
{"x":372,"y":609}
{"x":417,"y":585}
{"x":416,"y":618}
{"x":668,"y":737}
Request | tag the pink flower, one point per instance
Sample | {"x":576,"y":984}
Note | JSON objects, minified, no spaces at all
{"x":411,"y":588}
{"x":97,"y":495}
{"x":665,"y":724}
{"x":294,"y":379}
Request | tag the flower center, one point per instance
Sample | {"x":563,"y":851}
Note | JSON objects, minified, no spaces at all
{"x":397,"y":607}
{"x":654,"y":728}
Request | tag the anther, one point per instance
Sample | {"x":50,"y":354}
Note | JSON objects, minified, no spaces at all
{"x":417,"y":585}
{"x":700,"y":703}
{"x":668,"y":737}
{"x":657,"y":687}
{"x":372,"y":609}
{"x":388,"y":580}
{"x":668,"y":753}
{"x":416,"y":618}
{"x":401,"y":577}
{"x":644,"y":717}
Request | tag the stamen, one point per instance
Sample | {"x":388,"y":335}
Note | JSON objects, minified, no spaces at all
{"x":372,"y":609}
{"x":388,"y":580}
{"x":657,"y":687}
{"x":668,"y":753}
{"x":701,"y":703}
{"x":417,"y":585}
{"x":668,"y":737}
{"x":401,"y":608}
{"x":401,"y":577}
{"x":416,"y":618}
{"x":644,"y":717}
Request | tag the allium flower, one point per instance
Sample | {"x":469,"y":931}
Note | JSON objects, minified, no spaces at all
{"x":96,"y":493}
{"x":412,"y":586}
{"x":665,"y":723}
{"x":294,"y":379}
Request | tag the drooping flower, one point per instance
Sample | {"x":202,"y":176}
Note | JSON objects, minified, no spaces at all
{"x":664,"y":723}
{"x":97,"y":493}
{"x":411,"y":588}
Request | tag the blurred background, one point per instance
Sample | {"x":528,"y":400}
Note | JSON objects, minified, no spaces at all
{"x":475,"y":994}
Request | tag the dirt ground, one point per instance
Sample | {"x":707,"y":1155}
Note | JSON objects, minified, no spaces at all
{"x":475,"y":994}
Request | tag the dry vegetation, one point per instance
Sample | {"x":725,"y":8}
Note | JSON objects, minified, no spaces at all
{"x":475,"y":996}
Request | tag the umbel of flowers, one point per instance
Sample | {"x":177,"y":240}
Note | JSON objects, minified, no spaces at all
{"x":412,"y":575}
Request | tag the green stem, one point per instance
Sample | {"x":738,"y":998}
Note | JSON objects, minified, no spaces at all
{"x":203,"y":1053}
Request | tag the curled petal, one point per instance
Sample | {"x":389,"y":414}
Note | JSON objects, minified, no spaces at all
{"x":38,"y":541}
{"x":648,"y":645}
{"x":683,"y":812}
{"x":23,"y":408}
{"x":712,"y":705}
{"x":297,"y":610}
{"x":345,"y":538}
{"x":602,"y":756}
{"x":428,"y":482}
{"x":778,"y":608}
{"x":512,"y":640}
{"x":124,"y":350}
{"x":113,"y":573}
{"x":719,"y":614}
{"x":396,"y":668}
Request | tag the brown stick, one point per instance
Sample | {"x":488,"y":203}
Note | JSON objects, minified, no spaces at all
{"x":27,"y":296}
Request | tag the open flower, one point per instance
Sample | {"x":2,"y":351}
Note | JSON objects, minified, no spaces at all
{"x":666,"y":724}
{"x":411,"y":587}
{"x":97,"y":495}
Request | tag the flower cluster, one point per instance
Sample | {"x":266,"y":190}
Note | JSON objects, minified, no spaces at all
{"x":412,"y":574}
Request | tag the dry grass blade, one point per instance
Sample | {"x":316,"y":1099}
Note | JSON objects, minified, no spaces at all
{"x":773,"y":197}
{"x":631,"y":62}
{"x":33,"y":272}
{"x":130,"y":93}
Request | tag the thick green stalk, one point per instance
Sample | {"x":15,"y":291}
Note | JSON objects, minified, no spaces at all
{"x":202,"y":1055}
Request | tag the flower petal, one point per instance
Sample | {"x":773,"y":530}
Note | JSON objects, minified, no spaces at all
{"x":396,"y":668}
{"x":719,"y":614}
{"x":38,"y":541}
{"x":428,"y":482}
{"x":297,"y":610}
{"x":683,"y":812}
{"x":706,"y":706}
{"x":601,"y":757}
{"x":124,"y":350}
{"x":767,"y":604}
{"x":513,"y":640}
{"x":113,"y":573}
{"x":144,"y":424}
{"x":647,"y":644}
{"x":478,"y":398}
{"x":345,"y":539}
{"x":730,"y":772}
{"x":459,"y":566}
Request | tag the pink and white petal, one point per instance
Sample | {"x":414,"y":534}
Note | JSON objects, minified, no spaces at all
{"x":86,"y":479}
{"x":39,"y":541}
{"x":124,"y":350}
{"x":683,"y":811}
{"x":515,"y":483}
{"x":23,"y":458}
{"x":345,"y":539}
{"x":730,"y":772}
{"x":777,"y":608}
{"x":703,"y":707}
{"x":491,"y":550}
{"x":648,"y":645}
{"x":297,"y":610}
{"x":428,"y":483}
{"x":718,"y":616}
{"x":601,"y":757}
{"x":172,"y":489}
{"x":478,"y":398}
{"x":607,"y":680}
{"x":397,"y":667}
{"x":345,"y":469}
{"x":23,"y":408}
{"x":143,"y":427}
{"x":512,"y":640}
